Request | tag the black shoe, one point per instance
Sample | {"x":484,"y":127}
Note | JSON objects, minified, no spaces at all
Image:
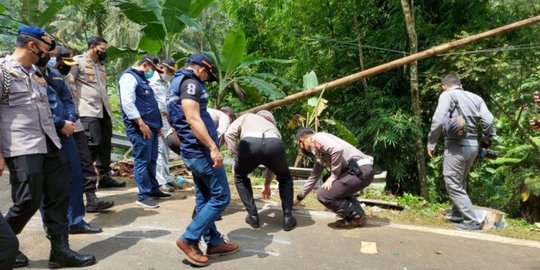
{"x":62,"y":256}
{"x":20,"y":260}
{"x":289,"y":223}
{"x":106,"y":181}
{"x":84,"y":228}
{"x":253,"y":221}
{"x":93,"y":204}
{"x":158,"y":194}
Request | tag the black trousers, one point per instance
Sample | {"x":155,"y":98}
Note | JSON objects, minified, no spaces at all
{"x":269,"y":152}
{"x":9,"y":245}
{"x":87,"y":165}
{"x":344,"y":187}
{"x":99,"y":134}
{"x":36,"y":178}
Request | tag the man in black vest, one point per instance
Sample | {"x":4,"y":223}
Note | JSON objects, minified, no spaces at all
{"x":143,"y":126}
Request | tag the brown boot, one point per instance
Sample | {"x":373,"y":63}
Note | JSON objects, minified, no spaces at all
{"x":224,"y":248}
{"x":192,"y":252}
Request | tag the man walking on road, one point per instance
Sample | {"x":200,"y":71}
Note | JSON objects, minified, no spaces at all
{"x":93,"y":105}
{"x":460,"y":153}
{"x":31,"y":148}
{"x":187,"y":108}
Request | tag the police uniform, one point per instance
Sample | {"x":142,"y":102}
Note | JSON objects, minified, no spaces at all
{"x":63,"y":108}
{"x":339,"y":156}
{"x":160,"y":88}
{"x":260,"y":143}
{"x":94,"y":110}
{"x":31,"y":149}
{"x":145,"y":151}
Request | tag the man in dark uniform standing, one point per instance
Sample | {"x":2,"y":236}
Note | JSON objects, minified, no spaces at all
{"x":200,"y":151}
{"x":64,"y":117}
{"x":31,"y":148}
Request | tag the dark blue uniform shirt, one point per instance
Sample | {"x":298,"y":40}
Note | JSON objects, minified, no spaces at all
{"x":186,"y":85}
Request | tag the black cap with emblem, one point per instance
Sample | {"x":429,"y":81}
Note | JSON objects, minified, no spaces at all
{"x":203,"y":61}
{"x":37,"y":33}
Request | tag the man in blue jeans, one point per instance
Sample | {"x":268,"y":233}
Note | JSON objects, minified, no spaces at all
{"x":187,"y":110}
{"x":143,"y":126}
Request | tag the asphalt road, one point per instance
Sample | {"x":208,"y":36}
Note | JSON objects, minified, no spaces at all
{"x":137,"y":238}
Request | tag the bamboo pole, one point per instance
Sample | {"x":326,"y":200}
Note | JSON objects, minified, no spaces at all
{"x":393,"y":64}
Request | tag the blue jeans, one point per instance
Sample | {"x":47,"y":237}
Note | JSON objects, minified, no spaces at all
{"x":145,"y":152}
{"x":212,"y":196}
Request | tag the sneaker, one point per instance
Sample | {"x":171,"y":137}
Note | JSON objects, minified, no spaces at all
{"x":192,"y":252}
{"x":224,"y":248}
{"x":467,"y":227}
{"x":158,"y":194}
{"x":148,"y":203}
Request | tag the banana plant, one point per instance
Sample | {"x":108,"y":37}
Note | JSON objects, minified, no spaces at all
{"x":28,"y":12}
{"x":159,"y":21}
{"x":235,"y":68}
{"x":314,"y":107}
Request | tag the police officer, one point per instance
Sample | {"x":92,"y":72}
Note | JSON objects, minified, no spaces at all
{"x":93,"y":105}
{"x":143,"y":125}
{"x":160,"y":84}
{"x":260,"y":143}
{"x":187,"y":109}
{"x":64,"y":117}
{"x":31,"y":148}
{"x":63,"y":63}
{"x":350,"y":172}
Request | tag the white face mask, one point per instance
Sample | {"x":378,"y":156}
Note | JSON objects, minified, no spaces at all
{"x":166,"y":77}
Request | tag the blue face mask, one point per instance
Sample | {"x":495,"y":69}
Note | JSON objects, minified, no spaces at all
{"x":52,"y":62}
{"x":149,"y":74}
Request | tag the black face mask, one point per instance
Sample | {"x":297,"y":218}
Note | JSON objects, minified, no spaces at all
{"x":306,"y":152}
{"x":102,"y":56}
{"x":43,"y":58}
{"x":64,"y":69}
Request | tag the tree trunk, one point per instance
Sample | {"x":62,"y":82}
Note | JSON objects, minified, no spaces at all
{"x":393,"y":64}
{"x":415,"y":98}
{"x":360,"y":50}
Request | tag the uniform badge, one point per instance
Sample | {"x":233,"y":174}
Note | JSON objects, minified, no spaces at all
{"x":90,"y":77}
{"x":39,"y":80}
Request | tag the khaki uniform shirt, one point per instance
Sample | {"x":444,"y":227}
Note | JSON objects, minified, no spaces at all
{"x":25,"y":115}
{"x":71,"y":82}
{"x":332,"y":152}
{"x":249,"y":125}
{"x":90,"y":86}
{"x":221,"y":122}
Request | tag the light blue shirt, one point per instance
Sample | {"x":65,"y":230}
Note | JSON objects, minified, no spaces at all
{"x":127,"y":84}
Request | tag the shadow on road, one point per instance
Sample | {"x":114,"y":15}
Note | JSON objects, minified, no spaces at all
{"x":121,"y":218}
{"x":120,"y":242}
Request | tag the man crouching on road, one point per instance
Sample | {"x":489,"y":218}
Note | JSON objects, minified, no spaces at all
{"x":351,"y":171}
{"x":187,"y":110}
